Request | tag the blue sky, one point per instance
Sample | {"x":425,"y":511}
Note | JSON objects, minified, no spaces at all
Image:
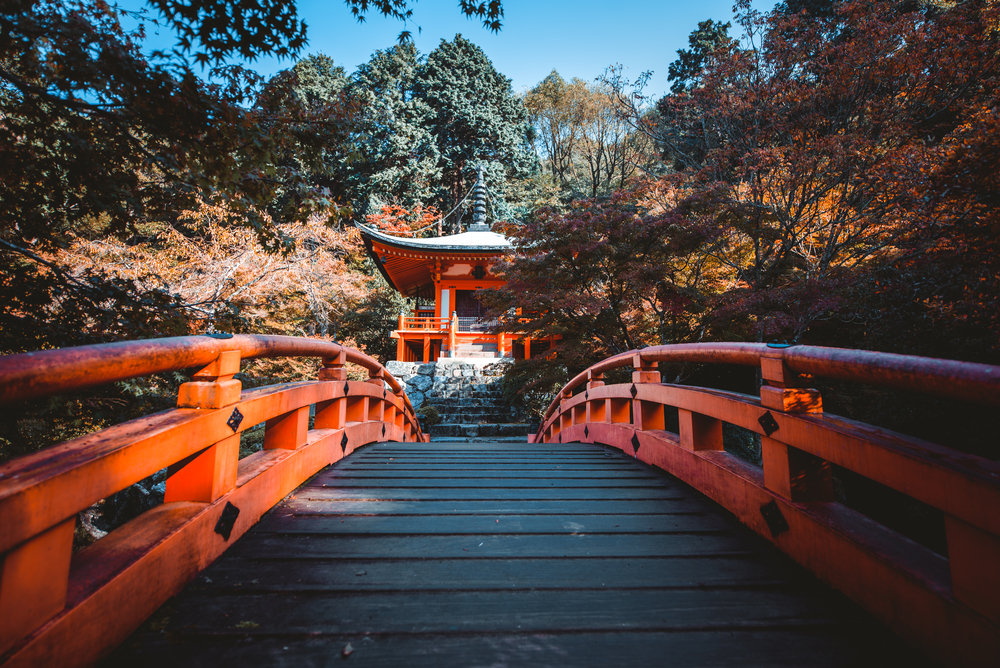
{"x":578,"y":38}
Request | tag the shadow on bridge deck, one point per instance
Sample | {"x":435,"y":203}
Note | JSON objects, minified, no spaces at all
{"x":464,"y":554}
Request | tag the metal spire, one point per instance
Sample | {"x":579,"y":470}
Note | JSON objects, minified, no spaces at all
{"x":479,"y":203}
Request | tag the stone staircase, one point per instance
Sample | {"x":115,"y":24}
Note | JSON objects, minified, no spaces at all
{"x":466,"y":393}
{"x":476,"y":350}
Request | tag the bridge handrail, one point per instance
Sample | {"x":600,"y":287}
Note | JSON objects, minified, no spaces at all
{"x":51,"y":597}
{"x":947,"y":605}
{"x":45,"y":372}
{"x":979,"y":383}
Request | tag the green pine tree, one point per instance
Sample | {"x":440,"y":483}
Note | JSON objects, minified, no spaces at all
{"x":396,"y":158}
{"x":476,"y":119}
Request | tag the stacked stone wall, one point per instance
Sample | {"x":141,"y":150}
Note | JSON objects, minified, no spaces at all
{"x":466,"y":393}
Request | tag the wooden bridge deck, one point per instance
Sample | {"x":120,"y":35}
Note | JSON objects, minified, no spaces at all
{"x":448,"y":554}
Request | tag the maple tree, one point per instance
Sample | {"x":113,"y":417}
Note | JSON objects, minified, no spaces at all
{"x":811,"y":146}
{"x":606,"y":276}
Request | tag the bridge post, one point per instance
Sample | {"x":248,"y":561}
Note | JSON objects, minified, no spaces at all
{"x":211,"y":473}
{"x":214,"y":386}
{"x":597,"y":410}
{"x":792,"y":473}
{"x":973,"y":557}
{"x":376,"y":411}
{"x":34,"y":580}
{"x":646,"y":415}
{"x":332,"y":414}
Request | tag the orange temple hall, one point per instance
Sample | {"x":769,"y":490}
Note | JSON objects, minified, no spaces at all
{"x":441,"y":275}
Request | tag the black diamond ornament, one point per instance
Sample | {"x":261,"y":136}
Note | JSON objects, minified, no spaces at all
{"x":586,"y":395}
{"x":769,"y":424}
{"x":586,"y":431}
{"x":384,"y":392}
{"x":224,"y":527}
{"x":347,"y":389}
{"x":383,"y":429}
{"x":775,"y":520}
{"x":633,"y":391}
{"x":343,"y":442}
{"x":635,"y":442}
{"x":235,"y":419}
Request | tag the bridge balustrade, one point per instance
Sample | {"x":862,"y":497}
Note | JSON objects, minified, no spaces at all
{"x":60,"y":608}
{"x":947,"y":606}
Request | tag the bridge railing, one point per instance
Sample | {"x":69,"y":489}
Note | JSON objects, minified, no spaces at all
{"x":60,"y":608}
{"x":949,"y":606}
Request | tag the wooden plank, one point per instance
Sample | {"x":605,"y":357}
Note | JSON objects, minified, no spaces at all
{"x":486,"y":524}
{"x":818,"y":647}
{"x":495,"y":507}
{"x":453,"y":482}
{"x":492,"y":611}
{"x":480,"y":459}
{"x":395,"y":474}
{"x":487,"y":545}
{"x":479,"y":493}
{"x":339,"y":574}
{"x":504,"y":467}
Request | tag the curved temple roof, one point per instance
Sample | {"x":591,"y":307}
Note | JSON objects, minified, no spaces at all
{"x":474,"y":242}
{"x":407,"y":263}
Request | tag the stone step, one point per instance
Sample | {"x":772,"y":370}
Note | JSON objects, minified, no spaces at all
{"x":478,"y":430}
{"x":458,"y":418}
{"x":479,"y":439}
{"x":459,"y":400}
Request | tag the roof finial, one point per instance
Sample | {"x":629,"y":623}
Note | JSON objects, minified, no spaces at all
{"x":479,"y":203}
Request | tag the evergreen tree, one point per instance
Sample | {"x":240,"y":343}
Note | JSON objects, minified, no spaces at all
{"x":686,"y":71}
{"x":307,"y":112}
{"x":396,"y":160}
{"x":476,"y":119}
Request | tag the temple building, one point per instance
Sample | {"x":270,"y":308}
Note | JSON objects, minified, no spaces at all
{"x":441,"y":276}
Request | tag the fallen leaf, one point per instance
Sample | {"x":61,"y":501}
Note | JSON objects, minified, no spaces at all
{"x":347,"y":650}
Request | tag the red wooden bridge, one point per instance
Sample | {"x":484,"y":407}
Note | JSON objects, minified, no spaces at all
{"x":624,"y":534}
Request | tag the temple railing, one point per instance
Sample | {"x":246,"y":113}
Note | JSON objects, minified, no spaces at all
{"x":61,"y":608}
{"x":476,"y":324}
{"x":424,"y":324}
{"x":949,"y":606}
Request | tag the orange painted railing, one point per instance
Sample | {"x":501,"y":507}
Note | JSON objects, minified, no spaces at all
{"x":60,"y":608}
{"x":423,"y":324}
{"x":947,"y":606}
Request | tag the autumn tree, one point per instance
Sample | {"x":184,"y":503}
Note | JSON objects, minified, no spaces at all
{"x":556,"y":109}
{"x":95,"y":132}
{"x":813,"y":146}
{"x":607,"y":276}
{"x":589,"y":147}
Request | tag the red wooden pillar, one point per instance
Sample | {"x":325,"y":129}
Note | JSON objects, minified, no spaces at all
{"x":332,"y":414}
{"x":596,"y":408}
{"x":974,"y":557}
{"x":212,"y":472}
{"x":646,"y":415}
{"x":34,"y":579}
{"x":792,"y":473}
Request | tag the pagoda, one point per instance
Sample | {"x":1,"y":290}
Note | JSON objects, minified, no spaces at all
{"x":441,"y":275}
